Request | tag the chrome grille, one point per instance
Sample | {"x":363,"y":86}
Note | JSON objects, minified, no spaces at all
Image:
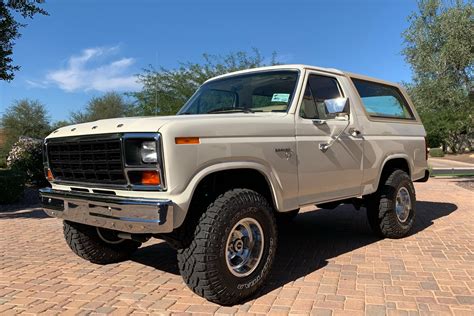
{"x":87,"y":160}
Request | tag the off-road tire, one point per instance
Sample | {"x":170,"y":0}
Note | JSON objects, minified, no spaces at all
{"x":381,"y":212}
{"x":203,"y":263}
{"x":182,"y":236}
{"x":86,"y":243}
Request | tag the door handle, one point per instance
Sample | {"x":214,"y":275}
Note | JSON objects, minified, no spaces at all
{"x":319,"y":122}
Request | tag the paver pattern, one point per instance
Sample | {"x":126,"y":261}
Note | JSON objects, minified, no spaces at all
{"x":328,"y":262}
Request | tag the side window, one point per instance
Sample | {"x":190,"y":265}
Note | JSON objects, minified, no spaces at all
{"x":308,"y":106}
{"x":318,"y":90}
{"x":382,"y":100}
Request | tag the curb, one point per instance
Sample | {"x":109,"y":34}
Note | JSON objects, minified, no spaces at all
{"x":452,"y":171}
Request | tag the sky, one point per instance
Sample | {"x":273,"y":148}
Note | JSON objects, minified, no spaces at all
{"x":86,"y":48}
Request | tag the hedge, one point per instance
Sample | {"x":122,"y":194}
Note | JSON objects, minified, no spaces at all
{"x":12,"y":184}
{"x":26,"y":157}
{"x":436,"y":152}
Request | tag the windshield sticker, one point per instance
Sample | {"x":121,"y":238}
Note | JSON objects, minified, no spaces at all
{"x":280,"y":97}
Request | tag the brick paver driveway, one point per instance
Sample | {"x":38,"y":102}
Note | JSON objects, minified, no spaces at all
{"x":328,"y":262}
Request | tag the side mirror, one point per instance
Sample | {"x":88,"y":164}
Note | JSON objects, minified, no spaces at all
{"x":337,"y":105}
{"x":342,"y":116}
{"x":337,"y":109}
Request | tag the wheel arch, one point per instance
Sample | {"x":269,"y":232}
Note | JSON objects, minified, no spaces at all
{"x":396,"y":161}
{"x":220,"y":177}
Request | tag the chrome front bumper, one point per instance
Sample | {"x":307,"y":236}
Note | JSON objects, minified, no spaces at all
{"x":126,"y":214}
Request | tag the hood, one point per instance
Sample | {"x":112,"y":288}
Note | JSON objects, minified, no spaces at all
{"x":152,"y":124}
{"x":147,"y":124}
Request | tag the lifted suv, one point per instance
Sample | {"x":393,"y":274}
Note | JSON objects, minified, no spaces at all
{"x":243,"y":154}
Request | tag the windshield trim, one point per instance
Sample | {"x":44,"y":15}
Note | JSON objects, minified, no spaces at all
{"x":183,"y":109}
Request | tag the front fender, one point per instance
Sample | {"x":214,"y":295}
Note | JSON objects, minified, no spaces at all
{"x":183,"y":200}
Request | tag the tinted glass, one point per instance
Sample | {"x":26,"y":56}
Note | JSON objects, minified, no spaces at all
{"x":211,"y":99}
{"x":324,"y":88}
{"x":318,"y":90}
{"x":270,"y":91}
{"x":382,"y":100}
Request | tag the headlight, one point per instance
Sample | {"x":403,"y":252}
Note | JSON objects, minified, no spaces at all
{"x":148,"y":152}
{"x":143,"y":162}
{"x":140,"y":152}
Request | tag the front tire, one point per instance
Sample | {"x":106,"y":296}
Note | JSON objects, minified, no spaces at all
{"x":391,"y":210}
{"x":97,"y":245}
{"x":233,"y":248}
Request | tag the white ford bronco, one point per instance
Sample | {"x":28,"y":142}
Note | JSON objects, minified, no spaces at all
{"x":246,"y":152}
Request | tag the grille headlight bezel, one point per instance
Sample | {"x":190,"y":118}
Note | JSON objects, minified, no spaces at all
{"x":142,"y":152}
{"x":131,"y":144}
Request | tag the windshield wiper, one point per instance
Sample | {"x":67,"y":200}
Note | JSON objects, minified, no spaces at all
{"x":226,"y":109}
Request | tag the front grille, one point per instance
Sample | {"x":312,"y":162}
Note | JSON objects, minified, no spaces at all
{"x":87,"y":160}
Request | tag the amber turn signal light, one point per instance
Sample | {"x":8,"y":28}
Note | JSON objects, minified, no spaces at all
{"x":186,"y":140}
{"x":49,"y":175}
{"x":150,"y":178}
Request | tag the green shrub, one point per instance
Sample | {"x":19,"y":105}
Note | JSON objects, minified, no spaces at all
{"x":436,"y":152}
{"x":434,"y":139}
{"x":26,"y":157}
{"x":3,"y":163}
{"x":12,"y":184}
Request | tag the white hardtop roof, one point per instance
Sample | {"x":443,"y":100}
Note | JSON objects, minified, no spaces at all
{"x":279,"y":67}
{"x":302,"y":67}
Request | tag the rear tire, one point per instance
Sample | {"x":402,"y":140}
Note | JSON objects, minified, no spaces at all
{"x":233,"y":248}
{"x":89,"y":243}
{"x":391,"y":210}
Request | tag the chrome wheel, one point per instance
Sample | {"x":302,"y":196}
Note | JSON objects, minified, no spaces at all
{"x":244,"y":247}
{"x":403,"y":204}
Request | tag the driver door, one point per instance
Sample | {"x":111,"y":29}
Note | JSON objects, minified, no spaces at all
{"x":336,"y":173}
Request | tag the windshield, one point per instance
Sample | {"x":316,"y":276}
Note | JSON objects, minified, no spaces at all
{"x":270,"y":91}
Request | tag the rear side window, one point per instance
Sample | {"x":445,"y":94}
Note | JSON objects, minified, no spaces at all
{"x":382,"y":100}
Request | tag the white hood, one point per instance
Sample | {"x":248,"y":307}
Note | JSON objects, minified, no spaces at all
{"x":203,"y":124}
{"x":117,"y":125}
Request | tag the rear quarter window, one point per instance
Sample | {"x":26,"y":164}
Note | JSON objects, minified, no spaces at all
{"x":382,"y":100}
